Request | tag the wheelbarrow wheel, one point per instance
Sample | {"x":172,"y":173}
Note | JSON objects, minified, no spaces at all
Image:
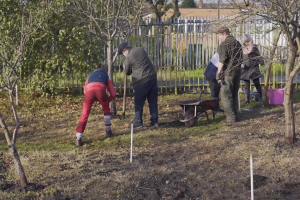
{"x":190,"y":115}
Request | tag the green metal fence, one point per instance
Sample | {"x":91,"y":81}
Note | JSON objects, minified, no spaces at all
{"x":180,"y":49}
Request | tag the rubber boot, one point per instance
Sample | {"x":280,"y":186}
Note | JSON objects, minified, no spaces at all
{"x":109,"y":133}
{"x":78,"y":143}
{"x":247,"y":95}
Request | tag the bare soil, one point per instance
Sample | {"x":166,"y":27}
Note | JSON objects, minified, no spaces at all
{"x":209,"y":161}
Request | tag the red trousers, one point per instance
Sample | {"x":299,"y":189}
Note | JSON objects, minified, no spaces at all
{"x":90,"y":97}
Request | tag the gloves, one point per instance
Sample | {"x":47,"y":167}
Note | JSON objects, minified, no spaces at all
{"x":242,"y":66}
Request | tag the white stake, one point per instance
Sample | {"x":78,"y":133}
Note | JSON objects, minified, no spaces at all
{"x":131,"y":142}
{"x":251,"y":176}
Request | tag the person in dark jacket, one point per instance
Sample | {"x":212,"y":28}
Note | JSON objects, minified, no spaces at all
{"x":230,"y":58}
{"x":144,"y":81}
{"x":95,"y":90}
{"x":210,"y":75}
{"x":250,"y":68}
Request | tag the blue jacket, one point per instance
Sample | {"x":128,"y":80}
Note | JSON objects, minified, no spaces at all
{"x":98,"y":75}
{"x":211,"y":70}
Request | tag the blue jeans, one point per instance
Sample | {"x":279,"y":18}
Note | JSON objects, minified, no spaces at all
{"x":142,"y":92}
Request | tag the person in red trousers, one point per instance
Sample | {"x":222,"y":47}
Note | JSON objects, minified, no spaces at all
{"x":95,"y":90}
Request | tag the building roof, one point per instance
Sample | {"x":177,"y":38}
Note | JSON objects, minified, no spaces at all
{"x":215,"y":5}
{"x":197,"y":12}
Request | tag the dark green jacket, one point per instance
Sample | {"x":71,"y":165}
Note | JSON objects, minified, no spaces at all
{"x":231,"y":55}
{"x":138,"y":64}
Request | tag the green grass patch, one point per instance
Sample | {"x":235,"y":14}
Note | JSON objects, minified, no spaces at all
{"x":44,"y":146}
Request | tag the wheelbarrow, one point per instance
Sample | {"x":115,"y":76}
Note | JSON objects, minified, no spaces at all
{"x":192,"y":109}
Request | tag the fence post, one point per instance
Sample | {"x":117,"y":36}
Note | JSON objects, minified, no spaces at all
{"x":175,"y":81}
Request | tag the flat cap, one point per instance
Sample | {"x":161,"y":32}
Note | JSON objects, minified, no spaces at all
{"x":122,"y":46}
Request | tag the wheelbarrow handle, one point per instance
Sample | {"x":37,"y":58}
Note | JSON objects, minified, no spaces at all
{"x":201,"y":92}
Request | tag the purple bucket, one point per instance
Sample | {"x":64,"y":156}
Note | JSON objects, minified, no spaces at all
{"x":276,"y":96}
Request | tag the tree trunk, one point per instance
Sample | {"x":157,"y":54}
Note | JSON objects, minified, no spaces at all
{"x":266,"y":85}
{"x":18,"y":166}
{"x":176,"y":8}
{"x":14,"y":153}
{"x":113,"y":109}
{"x":289,"y":116}
{"x":156,"y":9}
{"x":288,"y":95}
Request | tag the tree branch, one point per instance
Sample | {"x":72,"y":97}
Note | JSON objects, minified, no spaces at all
{"x":6,"y":132}
{"x":18,"y":123}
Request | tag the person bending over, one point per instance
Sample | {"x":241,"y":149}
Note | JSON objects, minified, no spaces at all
{"x":95,"y":90}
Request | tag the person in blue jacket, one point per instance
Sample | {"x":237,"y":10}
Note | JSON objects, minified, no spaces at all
{"x":95,"y":89}
{"x":210,"y":75}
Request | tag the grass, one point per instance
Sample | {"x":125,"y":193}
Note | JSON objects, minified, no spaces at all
{"x":208,"y":161}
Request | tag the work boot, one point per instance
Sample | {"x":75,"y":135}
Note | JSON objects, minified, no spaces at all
{"x":137,"y":125}
{"x":247,"y":95}
{"x":108,"y":133}
{"x":260,"y":100}
{"x":154,"y":124}
{"x":78,"y":143}
{"x":228,"y":123}
{"x":220,"y":110}
{"x":259,"y":92}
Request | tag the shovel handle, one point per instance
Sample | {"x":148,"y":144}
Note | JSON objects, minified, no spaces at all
{"x":124,"y":96}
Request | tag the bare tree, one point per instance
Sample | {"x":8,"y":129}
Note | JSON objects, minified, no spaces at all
{"x":159,"y":7}
{"x":109,"y":20}
{"x":283,"y":15}
{"x":16,"y":27}
{"x":269,"y":62}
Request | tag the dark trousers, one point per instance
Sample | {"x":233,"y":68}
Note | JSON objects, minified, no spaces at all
{"x":256,"y":84}
{"x":229,"y":97}
{"x":142,"y":92}
{"x":214,"y":87}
